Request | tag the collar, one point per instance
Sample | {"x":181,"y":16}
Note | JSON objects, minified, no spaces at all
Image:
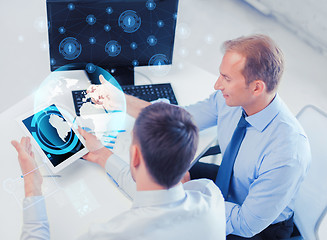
{"x":158,"y":197}
{"x":262,"y":119}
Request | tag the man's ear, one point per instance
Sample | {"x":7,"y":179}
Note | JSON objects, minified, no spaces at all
{"x":258,"y":87}
{"x":135,"y":156}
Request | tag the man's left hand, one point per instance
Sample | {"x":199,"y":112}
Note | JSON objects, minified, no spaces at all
{"x":31,"y":174}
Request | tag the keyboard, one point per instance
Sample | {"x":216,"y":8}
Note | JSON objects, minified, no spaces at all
{"x":148,"y":93}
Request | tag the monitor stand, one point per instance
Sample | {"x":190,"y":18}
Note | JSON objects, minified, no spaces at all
{"x":123,"y":75}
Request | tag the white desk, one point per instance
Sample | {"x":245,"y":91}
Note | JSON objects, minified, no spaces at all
{"x":84,"y":193}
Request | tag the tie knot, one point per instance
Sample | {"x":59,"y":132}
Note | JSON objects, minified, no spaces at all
{"x":243,"y":123}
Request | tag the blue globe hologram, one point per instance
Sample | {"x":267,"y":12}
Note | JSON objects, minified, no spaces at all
{"x":90,"y":68}
{"x":70,"y":48}
{"x":133,"y":45}
{"x":150,"y":5}
{"x":53,"y":61}
{"x":71,"y":6}
{"x":135,"y":62}
{"x":160,"y":23}
{"x":109,"y":10}
{"x":61,"y":30}
{"x":113,"y":48}
{"x":92,"y":40}
{"x":57,"y":88}
{"x":129,"y":21}
{"x":152,"y":40}
{"x":90,"y":19}
{"x":107,"y":27}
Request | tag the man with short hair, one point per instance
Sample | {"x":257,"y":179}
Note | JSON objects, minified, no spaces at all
{"x":274,"y":155}
{"x":164,"y":141}
{"x":265,"y":163}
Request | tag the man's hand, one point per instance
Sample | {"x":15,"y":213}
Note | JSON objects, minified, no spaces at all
{"x":31,"y":174}
{"x":97,"y":152}
{"x":106,"y":95}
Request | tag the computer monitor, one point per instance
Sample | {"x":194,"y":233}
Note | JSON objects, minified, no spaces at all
{"x":116,"y":35}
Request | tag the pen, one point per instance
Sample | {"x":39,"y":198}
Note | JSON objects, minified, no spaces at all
{"x":45,"y":176}
{"x":48,"y":176}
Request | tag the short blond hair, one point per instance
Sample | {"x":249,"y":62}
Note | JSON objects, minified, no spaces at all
{"x":264,"y":60}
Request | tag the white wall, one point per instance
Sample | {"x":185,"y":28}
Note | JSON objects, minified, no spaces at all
{"x":306,"y":18}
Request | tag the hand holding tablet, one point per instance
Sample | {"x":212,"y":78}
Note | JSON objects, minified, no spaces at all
{"x":54,"y":137}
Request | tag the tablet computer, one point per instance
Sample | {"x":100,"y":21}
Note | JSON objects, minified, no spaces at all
{"x":54,"y":136}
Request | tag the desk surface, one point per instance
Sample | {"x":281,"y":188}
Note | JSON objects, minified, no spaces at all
{"x":77,"y":199}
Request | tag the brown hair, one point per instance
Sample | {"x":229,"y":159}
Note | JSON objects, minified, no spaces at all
{"x":168,"y":139}
{"x":264,"y":60}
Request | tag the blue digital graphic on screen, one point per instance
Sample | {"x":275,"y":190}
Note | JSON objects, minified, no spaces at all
{"x":92,"y":40}
{"x":158,"y":59}
{"x":160,"y":23}
{"x":62,"y":30}
{"x":129,"y":21}
{"x":109,"y":10}
{"x":107,"y":27}
{"x":53,"y":134}
{"x":151,"y":5}
{"x":70,"y":48}
{"x":52,"y":61}
{"x":111,"y":33}
{"x":133,"y":45}
{"x":90,"y":68}
{"x":135,"y":62}
{"x":152,"y":40}
{"x":71,"y":6}
{"x":90,"y":19}
{"x":113,"y":48}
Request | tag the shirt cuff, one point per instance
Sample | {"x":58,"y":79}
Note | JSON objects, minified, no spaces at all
{"x":164,"y":100}
{"x":229,"y":206}
{"x":114,"y":166}
{"x":119,"y":171}
{"x":34,"y":209}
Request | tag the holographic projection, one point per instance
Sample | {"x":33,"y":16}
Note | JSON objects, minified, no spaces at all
{"x":111,"y":33}
{"x":57,"y":89}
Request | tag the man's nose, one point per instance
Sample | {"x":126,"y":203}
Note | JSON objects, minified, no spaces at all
{"x":218,"y":85}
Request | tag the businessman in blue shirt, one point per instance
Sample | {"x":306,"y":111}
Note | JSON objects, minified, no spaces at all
{"x":274,"y":153}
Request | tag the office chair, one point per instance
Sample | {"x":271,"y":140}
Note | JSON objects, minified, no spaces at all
{"x":311,"y":201}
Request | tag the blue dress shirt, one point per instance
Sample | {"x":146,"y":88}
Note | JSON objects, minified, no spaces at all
{"x":269,"y":168}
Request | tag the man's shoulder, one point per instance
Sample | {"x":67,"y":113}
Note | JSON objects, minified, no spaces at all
{"x":205,"y":187}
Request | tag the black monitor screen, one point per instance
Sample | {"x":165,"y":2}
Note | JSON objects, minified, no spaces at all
{"x":111,"y":33}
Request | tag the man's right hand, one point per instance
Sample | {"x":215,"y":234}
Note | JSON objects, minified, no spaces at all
{"x":107,"y":95}
{"x":97,"y":152}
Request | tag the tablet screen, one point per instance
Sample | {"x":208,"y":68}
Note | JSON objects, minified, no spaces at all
{"x":53,"y":134}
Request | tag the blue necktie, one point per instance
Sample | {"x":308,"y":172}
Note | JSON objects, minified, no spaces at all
{"x":226,"y":167}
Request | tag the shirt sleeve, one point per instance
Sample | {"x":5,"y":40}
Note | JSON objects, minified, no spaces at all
{"x":278,"y":180}
{"x":119,"y":170}
{"x":35,"y":220}
{"x":205,"y":112}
